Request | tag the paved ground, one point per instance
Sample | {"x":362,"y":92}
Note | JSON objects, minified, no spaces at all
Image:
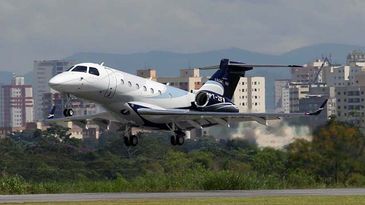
{"x":172,"y":195}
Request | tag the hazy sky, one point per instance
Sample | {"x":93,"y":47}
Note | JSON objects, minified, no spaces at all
{"x":53,"y":29}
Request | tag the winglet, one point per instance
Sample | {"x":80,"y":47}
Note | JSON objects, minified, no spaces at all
{"x":317,"y":112}
{"x":51,"y":113}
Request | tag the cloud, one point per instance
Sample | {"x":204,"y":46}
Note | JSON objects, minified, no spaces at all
{"x":41,"y":29}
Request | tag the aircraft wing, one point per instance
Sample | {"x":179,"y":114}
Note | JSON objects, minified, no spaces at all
{"x":198,"y":119}
{"x":103,"y":119}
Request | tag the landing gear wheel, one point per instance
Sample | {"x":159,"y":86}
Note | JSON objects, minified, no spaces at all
{"x":68,"y":112}
{"x":126,"y":141}
{"x":173,"y":140}
{"x":180,"y":139}
{"x":133,"y":140}
{"x":65,"y":112}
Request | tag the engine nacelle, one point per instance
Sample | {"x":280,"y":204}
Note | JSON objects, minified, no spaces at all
{"x":209,"y":101}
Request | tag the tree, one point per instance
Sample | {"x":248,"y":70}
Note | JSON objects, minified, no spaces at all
{"x":335,"y":153}
{"x":269,"y":161}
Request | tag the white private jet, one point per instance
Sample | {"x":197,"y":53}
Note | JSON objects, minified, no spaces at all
{"x":135,"y":102}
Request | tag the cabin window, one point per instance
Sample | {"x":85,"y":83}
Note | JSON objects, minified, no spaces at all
{"x":159,"y":92}
{"x":137,"y":85}
{"x":122,"y":81}
{"x":129,"y":83}
{"x":82,"y":69}
{"x":144,"y":88}
{"x":93,"y":71}
{"x":152,"y":90}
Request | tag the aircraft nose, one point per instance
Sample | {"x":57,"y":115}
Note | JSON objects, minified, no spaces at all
{"x":65,"y":82}
{"x":55,"y":81}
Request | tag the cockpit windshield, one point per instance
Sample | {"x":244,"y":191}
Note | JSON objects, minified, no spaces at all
{"x":82,"y":69}
{"x":93,"y":71}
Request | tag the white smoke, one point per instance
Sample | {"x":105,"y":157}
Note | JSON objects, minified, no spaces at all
{"x":277,"y":134}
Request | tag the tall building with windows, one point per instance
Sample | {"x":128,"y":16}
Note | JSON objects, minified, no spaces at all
{"x":249,"y":95}
{"x":44,"y":70}
{"x":17,"y":103}
{"x":342,"y":85}
{"x":350,"y":104}
{"x":280,"y":95}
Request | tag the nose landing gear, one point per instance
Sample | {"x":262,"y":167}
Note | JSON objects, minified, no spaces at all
{"x":68,"y":112}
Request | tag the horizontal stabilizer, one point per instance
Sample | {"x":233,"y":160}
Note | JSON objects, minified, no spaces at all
{"x":243,"y":65}
{"x":317,"y":112}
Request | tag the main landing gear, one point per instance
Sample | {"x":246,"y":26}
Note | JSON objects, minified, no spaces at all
{"x":129,"y":138}
{"x":178,"y":138}
{"x":68,"y":112}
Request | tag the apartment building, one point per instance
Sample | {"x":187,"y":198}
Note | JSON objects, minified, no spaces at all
{"x":281,"y":95}
{"x":249,"y":95}
{"x":17,"y":104}
{"x":350,"y":104}
{"x":342,"y":85}
{"x":297,"y":91}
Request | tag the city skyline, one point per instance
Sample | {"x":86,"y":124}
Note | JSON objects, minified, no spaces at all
{"x":38,"y":29}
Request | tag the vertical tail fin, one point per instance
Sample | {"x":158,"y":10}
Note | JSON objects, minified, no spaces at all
{"x":224,"y":81}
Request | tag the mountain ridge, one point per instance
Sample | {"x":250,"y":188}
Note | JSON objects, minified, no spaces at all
{"x":168,"y":63}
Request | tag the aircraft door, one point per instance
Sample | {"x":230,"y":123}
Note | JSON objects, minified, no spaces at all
{"x":110,"y":92}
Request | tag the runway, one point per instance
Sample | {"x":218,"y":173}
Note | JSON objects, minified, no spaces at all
{"x":178,"y":195}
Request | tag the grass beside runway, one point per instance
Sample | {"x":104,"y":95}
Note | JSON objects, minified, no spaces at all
{"x":302,"y":200}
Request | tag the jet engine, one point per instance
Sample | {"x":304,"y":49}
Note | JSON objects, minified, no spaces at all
{"x":209,"y":101}
{"x":202,"y":99}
